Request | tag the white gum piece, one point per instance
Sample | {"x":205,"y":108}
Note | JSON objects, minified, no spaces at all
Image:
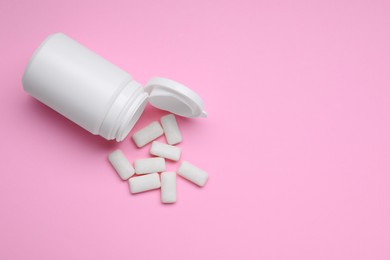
{"x":147,"y":134}
{"x":168,"y":187}
{"x":171,"y":129}
{"x":144,"y":183}
{"x":120,"y":163}
{"x":193,"y":173}
{"x":165,"y":151}
{"x":149,"y":165}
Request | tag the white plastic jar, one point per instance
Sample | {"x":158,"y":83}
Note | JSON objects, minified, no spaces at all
{"x":96,"y":94}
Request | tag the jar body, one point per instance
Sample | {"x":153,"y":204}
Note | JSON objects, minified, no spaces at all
{"x":83,"y":86}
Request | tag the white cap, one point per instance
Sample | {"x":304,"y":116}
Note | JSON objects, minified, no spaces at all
{"x":169,"y":95}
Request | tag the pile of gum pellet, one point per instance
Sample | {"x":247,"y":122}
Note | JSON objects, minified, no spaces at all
{"x":147,"y":169}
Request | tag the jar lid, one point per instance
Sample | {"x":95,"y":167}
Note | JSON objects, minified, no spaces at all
{"x":169,"y":95}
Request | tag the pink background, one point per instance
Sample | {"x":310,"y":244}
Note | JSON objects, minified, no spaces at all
{"x":297,"y":142}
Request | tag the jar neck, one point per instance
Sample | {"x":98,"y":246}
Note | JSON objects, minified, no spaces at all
{"x":124,"y":112}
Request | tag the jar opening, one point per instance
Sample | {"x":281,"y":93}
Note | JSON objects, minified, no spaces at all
{"x":131,"y":121}
{"x":124,"y":112}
